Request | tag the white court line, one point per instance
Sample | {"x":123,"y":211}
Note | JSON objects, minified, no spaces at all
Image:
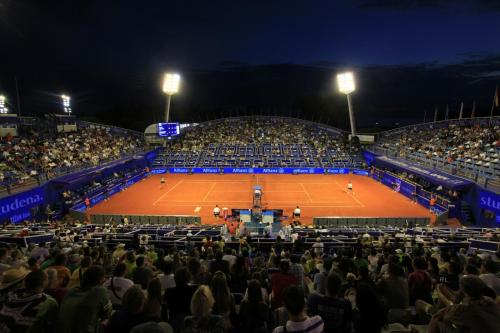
{"x":291,"y":204}
{"x":164,"y":194}
{"x":210,"y":190}
{"x":356,"y":199}
{"x":307,"y":193}
{"x":197,"y":209}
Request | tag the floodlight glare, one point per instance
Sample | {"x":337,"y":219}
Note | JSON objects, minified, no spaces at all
{"x":346,"y":82}
{"x":171,"y":83}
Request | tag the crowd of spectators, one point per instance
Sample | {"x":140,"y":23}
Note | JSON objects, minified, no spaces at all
{"x":70,"y":286}
{"x":34,"y":154}
{"x":478,"y":144}
{"x":311,"y":141}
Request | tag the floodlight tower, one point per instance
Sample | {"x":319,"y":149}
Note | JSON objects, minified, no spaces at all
{"x":170,"y":86}
{"x":347,"y":86}
{"x":66,"y":101}
{"x":3,"y":109}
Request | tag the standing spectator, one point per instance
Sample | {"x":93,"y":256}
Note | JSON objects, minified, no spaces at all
{"x":239,"y":276}
{"x":167,"y":277}
{"x":220,"y":263}
{"x":29,"y":309}
{"x":279,"y":281}
{"x":320,"y":278}
{"x":77,"y":275}
{"x":297,"y":270}
{"x":153,"y":305}
{"x":142,"y":274}
{"x":223,"y":299}
{"x":336,"y":312}
{"x":85,"y":306}
{"x":293,"y":298}
{"x":117,"y":285}
{"x":178,"y":298}
{"x":63,"y":272}
{"x":202,"y":319}
{"x":254,"y":313}
{"x":420,"y":282}
{"x":318,"y":247}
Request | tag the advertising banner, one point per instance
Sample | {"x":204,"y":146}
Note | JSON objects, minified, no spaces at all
{"x":17,"y":207}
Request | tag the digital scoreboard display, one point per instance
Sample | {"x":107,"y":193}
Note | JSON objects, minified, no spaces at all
{"x":168,"y":129}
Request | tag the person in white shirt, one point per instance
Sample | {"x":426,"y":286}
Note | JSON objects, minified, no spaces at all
{"x":117,"y":285}
{"x":167,"y":277}
{"x":216,"y":212}
{"x":296,"y":212}
{"x":349,"y":187}
{"x":318,"y":247}
{"x":293,"y":297}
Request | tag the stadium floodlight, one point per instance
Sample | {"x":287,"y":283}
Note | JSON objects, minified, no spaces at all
{"x":170,"y":86}
{"x":3,"y":109}
{"x":346,"y":85}
{"x":66,"y":101}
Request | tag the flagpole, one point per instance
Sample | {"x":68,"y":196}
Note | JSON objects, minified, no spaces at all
{"x":425,"y":115}
{"x":461,"y":110}
{"x":447,"y":112}
{"x":495,"y":102}
{"x":473,"y":109}
{"x":435,"y":114}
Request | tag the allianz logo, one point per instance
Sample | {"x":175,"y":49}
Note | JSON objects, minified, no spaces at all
{"x":20,"y":203}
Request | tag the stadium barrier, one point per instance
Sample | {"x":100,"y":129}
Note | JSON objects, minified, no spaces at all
{"x":145,"y":219}
{"x":334,"y":221}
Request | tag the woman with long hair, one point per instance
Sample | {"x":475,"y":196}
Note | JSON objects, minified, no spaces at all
{"x":202,"y":320}
{"x":224,"y":301}
{"x":254,"y":313}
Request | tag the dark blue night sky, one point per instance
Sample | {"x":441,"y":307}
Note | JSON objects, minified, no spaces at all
{"x":237,"y":57}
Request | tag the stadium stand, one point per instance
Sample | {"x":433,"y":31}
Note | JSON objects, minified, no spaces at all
{"x":38,"y":154}
{"x":466,"y":147}
{"x":259,"y":142}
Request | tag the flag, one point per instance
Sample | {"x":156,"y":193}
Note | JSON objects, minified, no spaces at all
{"x":461,"y":110}
{"x":447,"y":112}
{"x":473,"y":109}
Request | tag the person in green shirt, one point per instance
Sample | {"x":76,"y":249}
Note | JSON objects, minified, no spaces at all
{"x":85,"y":306}
{"x":29,"y":309}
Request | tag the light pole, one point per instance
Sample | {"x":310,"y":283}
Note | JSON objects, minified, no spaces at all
{"x":170,"y":87}
{"x":3,"y":109}
{"x":66,"y":101}
{"x":346,"y":85}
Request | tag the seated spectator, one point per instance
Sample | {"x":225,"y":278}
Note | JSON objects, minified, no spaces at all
{"x":371,"y":313}
{"x":29,"y":309}
{"x":294,"y":300}
{"x":254,"y":313}
{"x":117,"y":285}
{"x":220,"y":264}
{"x":202,"y":319}
{"x":476,"y":313}
{"x":451,"y":276}
{"x":336,"y":312}
{"x":223,"y":299}
{"x":280,"y":281}
{"x":77,"y":275}
{"x":239,"y":276}
{"x":85,"y":306}
{"x":394,"y":289}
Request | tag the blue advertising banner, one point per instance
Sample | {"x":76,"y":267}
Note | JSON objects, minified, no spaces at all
{"x":369,"y":156}
{"x":432,"y":175}
{"x":17,"y":207}
{"x":310,"y":171}
{"x":490,"y":201}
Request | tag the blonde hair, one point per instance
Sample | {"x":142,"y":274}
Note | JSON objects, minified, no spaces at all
{"x":202,"y":302}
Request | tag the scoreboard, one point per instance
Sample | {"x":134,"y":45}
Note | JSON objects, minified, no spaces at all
{"x":168,"y":129}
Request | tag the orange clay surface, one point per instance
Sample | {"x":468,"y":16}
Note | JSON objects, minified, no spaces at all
{"x":317,"y":195}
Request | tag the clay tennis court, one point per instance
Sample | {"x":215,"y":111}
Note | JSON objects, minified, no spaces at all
{"x":317,"y":195}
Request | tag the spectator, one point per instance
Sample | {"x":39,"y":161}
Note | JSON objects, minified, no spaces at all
{"x":279,"y":281}
{"x":239,"y":275}
{"x":167,"y":277}
{"x":63,"y":272}
{"x":222,"y":263}
{"x":489,"y":277}
{"x":117,"y":285}
{"x":476,"y":313}
{"x":89,"y":303}
{"x":394,"y":288}
{"x":320,"y":278}
{"x":254,"y":313}
{"x":142,"y":275}
{"x":131,"y":313}
{"x":202,"y":319}
{"x":420,"y":282}
{"x":223,"y":299}
{"x":372,"y":316}
{"x":293,"y":298}
{"x":178,"y":298}
{"x":77,"y":275}
{"x":336,"y":312}
{"x":318,"y":247}
{"x":29,"y":309}
{"x":53,"y":288}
